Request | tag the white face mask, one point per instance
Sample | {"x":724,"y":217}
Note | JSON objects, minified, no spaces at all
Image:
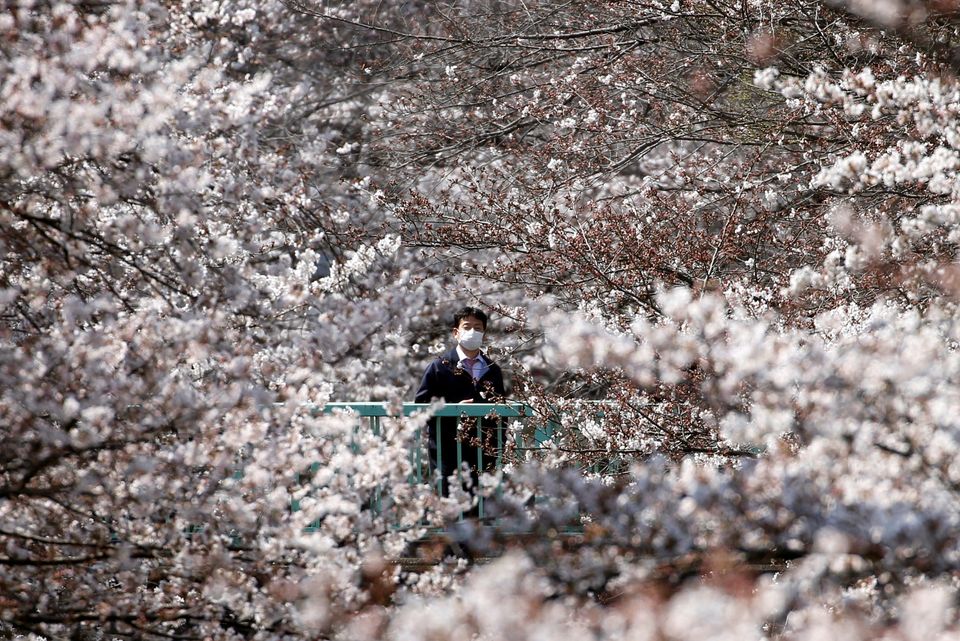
{"x":470,"y":339}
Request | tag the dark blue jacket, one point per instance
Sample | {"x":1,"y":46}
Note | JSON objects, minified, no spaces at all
{"x":443,"y":379}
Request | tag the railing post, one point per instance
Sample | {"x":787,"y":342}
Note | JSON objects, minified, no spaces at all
{"x":499,"y":465}
{"x":376,"y":505}
{"x":439,"y":470}
{"x":459,"y":460}
{"x":479,"y":466}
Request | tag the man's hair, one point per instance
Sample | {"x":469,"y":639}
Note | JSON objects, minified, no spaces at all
{"x":469,"y":311}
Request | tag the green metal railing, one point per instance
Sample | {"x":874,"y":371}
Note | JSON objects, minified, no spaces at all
{"x":482,"y":417}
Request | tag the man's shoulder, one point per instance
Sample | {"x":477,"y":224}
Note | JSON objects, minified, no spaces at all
{"x":494,"y":370}
{"x":489,"y":360}
{"x":446,"y":359}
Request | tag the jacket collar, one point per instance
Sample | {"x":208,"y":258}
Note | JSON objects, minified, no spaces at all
{"x":453,"y":357}
{"x":461,"y":355}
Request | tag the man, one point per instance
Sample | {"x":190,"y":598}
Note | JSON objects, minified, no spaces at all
{"x":464,"y":374}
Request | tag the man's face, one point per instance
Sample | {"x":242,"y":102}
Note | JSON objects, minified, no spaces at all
{"x":468,"y":322}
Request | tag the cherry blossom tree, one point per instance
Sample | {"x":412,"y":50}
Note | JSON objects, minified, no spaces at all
{"x":186,"y":276}
{"x":748,"y":206}
{"x":733,"y":223}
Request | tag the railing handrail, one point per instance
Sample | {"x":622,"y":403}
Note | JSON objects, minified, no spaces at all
{"x":366,"y":409}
